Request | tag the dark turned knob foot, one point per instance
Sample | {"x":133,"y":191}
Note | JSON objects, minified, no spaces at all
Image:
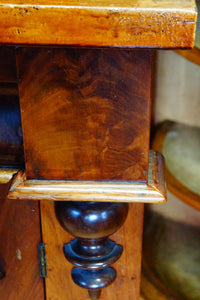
{"x":94,"y":294}
{"x":92,"y":251}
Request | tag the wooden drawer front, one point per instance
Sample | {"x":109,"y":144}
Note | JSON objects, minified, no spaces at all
{"x":85,"y":113}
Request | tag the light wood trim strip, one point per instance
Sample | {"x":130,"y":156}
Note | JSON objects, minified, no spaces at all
{"x":6,"y":174}
{"x":153,"y":191}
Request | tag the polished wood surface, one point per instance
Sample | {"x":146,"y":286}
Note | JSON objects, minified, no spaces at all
{"x":59,"y":284}
{"x":6,"y":174}
{"x":92,"y":252}
{"x":85,"y":113}
{"x":148,"y":23}
{"x":152,"y":191}
{"x":19,"y":238}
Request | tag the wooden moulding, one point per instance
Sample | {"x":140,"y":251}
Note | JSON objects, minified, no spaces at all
{"x":6,"y":174}
{"x":108,"y":191}
{"x":148,"y":23}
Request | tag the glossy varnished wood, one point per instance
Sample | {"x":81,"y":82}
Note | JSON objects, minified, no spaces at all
{"x":6,"y":174}
{"x":109,"y":191}
{"x":59,"y":284}
{"x":135,"y":23}
{"x":19,"y":238}
{"x":92,"y":251}
{"x":85,"y":113}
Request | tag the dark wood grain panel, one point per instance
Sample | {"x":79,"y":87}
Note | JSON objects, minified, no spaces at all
{"x":59,"y":284}
{"x":19,"y":238}
{"x":8,"y":65}
{"x":85,"y":113}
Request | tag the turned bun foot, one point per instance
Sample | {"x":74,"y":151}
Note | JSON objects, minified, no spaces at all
{"x":92,"y":252}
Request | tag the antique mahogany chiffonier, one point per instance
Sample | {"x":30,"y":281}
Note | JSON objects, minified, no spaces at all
{"x":73,"y":187}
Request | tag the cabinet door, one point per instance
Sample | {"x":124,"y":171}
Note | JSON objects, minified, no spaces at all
{"x":19,"y":239}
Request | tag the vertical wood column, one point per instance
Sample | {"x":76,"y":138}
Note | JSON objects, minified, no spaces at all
{"x":85,"y":117}
{"x":85,"y":113}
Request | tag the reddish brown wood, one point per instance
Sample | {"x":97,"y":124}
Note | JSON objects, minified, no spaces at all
{"x":59,"y":284}
{"x":85,"y":113}
{"x":147,"y":23}
{"x":19,"y":238}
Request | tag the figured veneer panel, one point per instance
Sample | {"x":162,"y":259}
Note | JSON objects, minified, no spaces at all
{"x":85,"y":113}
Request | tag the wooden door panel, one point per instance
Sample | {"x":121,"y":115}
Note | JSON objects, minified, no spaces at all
{"x":19,"y":238}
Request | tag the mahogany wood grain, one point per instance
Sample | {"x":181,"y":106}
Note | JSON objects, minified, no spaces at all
{"x":59,"y":284}
{"x":19,"y":238}
{"x":148,"y":23}
{"x":85,"y":113}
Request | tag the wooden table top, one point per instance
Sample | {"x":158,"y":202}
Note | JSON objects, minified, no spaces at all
{"x":124,"y":23}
